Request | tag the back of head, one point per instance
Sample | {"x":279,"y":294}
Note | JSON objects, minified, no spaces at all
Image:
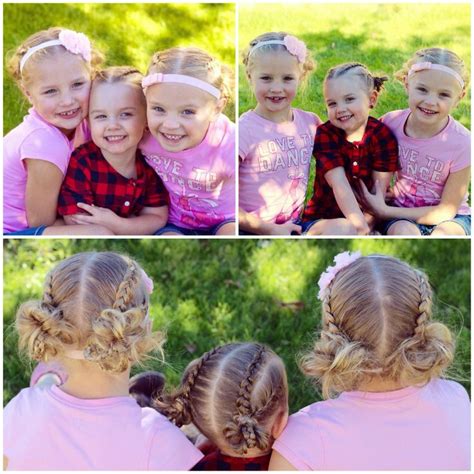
{"x":96,"y":302}
{"x":376,"y":324}
{"x":197,"y":63}
{"x":233,"y":394}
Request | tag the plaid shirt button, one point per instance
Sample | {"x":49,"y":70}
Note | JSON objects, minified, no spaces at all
{"x":126,"y":203}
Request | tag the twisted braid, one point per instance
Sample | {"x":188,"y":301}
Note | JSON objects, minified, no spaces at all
{"x":48,"y":298}
{"x":124,"y":292}
{"x":329,"y":320}
{"x":424,"y":306}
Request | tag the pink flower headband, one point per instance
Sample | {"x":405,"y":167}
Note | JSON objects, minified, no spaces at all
{"x":159,"y":78}
{"x":76,"y":43}
{"x":341,"y":260}
{"x":293,"y":45}
{"x":438,"y":67}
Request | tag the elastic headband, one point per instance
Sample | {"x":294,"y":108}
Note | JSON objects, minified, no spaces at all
{"x":437,"y":67}
{"x":76,"y":43}
{"x":159,"y":78}
{"x":292,"y":44}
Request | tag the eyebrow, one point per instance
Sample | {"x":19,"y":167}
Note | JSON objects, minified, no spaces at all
{"x":123,"y":109}
{"x":185,"y":106}
{"x":77,"y":79}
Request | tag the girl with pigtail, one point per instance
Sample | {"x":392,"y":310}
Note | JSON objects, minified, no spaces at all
{"x":94,"y":320}
{"x":381,"y":357}
{"x":237,"y":397}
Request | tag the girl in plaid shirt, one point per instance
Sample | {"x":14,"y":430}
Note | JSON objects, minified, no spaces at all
{"x":350,"y":148}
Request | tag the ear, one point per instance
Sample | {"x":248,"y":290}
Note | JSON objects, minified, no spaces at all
{"x":374,"y":95}
{"x":219,"y":107}
{"x":26,"y":94}
{"x":279,"y":424}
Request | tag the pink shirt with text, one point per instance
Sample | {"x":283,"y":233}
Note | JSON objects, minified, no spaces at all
{"x":274,"y":167}
{"x":47,"y":429}
{"x":201,"y":180}
{"x":426,"y":163}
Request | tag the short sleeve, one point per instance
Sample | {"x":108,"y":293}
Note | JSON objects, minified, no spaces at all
{"x":76,"y":187}
{"x":384,"y":150}
{"x":245,"y":139}
{"x":463,"y":158}
{"x":44,"y":144}
{"x":327,"y":151}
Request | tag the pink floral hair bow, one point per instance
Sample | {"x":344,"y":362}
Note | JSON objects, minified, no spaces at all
{"x":76,"y":43}
{"x":341,"y":260}
{"x":295,"y":47}
{"x":147,"y":281}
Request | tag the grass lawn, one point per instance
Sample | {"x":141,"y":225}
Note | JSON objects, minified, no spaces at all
{"x":211,"y":292}
{"x":128,"y":34}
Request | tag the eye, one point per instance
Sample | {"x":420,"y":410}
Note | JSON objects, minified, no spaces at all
{"x":265,"y":78}
{"x":158,"y":109}
{"x":189,"y":112}
{"x":78,"y":84}
{"x":350,"y":99}
{"x":49,"y":92}
{"x":100,"y":117}
{"x":288,"y":78}
{"x":126,"y":114}
{"x":331,"y":104}
{"x":421,"y":89}
{"x":445,"y":95}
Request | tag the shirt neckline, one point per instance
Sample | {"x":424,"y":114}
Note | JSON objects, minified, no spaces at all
{"x":405,"y":120}
{"x":383,"y":396}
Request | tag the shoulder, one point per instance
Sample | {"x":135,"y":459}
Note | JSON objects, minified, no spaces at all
{"x":395,"y":118}
{"x":224,"y":131}
{"x":27,"y":403}
{"x":308,"y":117}
{"x":380,"y":129}
{"x":449,"y":389}
{"x":460,"y":131}
{"x":85,"y":155}
{"x":247,"y":117}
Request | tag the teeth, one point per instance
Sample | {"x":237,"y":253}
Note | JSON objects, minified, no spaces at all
{"x":344,"y":118}
{"x":174,"y":138}
{"x":69,"y":113}
{"x":115,"y":138}
{"x":426,"y":111}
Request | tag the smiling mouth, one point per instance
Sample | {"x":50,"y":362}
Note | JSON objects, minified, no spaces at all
{"x":344,"y":118}
{"x":276,"y":100}
{"x":427,"y":111}
{"x":115,"y":138}
{"x":69,"y":113}
{"x":172,"y":138}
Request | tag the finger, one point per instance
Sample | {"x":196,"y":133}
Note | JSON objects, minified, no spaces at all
{"x":87,"y":207}
{"x":84,"y":219}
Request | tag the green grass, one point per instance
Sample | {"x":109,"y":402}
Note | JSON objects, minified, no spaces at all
{"x":212,"y":292}
{"x":128,"y":34}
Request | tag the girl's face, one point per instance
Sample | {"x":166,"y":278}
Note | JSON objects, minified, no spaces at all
{"x":348,"y":104}
{"x":59,"y":90}
{"x":274,"y":78}
{"x":179,"y":115}
{"x":432,"y":95}
{"x":117,"y":118}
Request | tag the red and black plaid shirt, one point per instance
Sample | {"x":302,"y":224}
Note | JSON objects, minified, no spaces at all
{"x":216,"y":461}
{"x":92,"y":180}
{"x":377,"y":151}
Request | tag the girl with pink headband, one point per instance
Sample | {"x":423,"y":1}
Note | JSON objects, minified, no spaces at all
{"x":191,"y":144}
{"x":275,"y":139}
{"x":430,"y":192}
{"x":53,"y":69}
{"x":380,"y":362}
{"x":93,"y":318}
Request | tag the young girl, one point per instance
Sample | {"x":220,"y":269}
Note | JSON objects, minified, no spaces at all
{"x":350,"y":148}
{"x":430,"y":192}
{"x":237,"y":396}
{"x":191,"y":143}
{"x":93,"y":318}
{"x":53,"y":69}
{"x":275,"y":139}
{"x":107,"y":177}
{"x":380,"y":351}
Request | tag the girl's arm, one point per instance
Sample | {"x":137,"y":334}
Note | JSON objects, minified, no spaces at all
{"x":453,"y":193}
{"x":147,"y":222}
{"x":254,"y":224}
{"x":346,"y":199}
{"x":43,"y":183}
{"x":279,"y":463}
{"x":384,"y":178}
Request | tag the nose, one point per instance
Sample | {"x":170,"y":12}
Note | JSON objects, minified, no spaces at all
{"x":113,"y":123}
{"x":171,"y":122}
{"x":276,"y":86}
{"x":67,"y":98}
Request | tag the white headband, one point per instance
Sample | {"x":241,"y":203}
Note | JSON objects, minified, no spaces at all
{"x":76,"y":43}
{"x":438,"y":67}
{"x":159,"y":78}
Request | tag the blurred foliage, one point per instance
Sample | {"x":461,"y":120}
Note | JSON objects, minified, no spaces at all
{"x":209,"y":292}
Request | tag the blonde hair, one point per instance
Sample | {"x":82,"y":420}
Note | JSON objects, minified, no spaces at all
{"x":371,"y":82}
{"x":376,"y":323}
{"x":442,"y":56}
{"x":95,"y":301}
{"x":232,"y":394}
{"x":197,"y":63}
{"x":26,"y":76}
{"x":121,"y":74}
{"x":249,"y":59}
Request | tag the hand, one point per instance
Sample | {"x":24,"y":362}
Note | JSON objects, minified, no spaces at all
{"x":373,"y":203}
{"x":288,"y":228}
{"x":97,"y":215}
{"x":361,"y":226}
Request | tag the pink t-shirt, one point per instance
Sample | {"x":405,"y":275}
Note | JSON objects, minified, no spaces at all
{"x":35,"y":139}
{"x":48,"y":429}
{"x":201,"y":180}
{"x":274,"y":164}
{"x":425,"y":428}
{"x":426,"y":163}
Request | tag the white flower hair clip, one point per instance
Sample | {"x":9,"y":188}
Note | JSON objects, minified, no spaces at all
{"x":341,"y":260}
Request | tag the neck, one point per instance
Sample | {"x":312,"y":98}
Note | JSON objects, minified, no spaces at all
{"x":123,"y":163}
{"x":87,"y":380}
{"x":380,"y":385}
{"x":281,"y":116}
{"x":415,"y":129}
{"x":251,"y":453}
{"x":358,"y":134}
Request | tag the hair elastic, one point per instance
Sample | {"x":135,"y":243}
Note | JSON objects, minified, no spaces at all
{"x":438,"y":67}
{"x":76,"y":43}
{"x":159,"y":78}
{"x":293,"y":45}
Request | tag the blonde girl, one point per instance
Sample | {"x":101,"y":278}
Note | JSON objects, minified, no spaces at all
{"x":94,"y":319}
{"x":382,"y":358}
{"x":53,"y":70}
{"x":237,"y":397}
{"x":350,"y":148}
{"x":191,"y":144}
{"x":430,"y":192}
{"x":275,"y":139}
{"x":108,"y":182}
